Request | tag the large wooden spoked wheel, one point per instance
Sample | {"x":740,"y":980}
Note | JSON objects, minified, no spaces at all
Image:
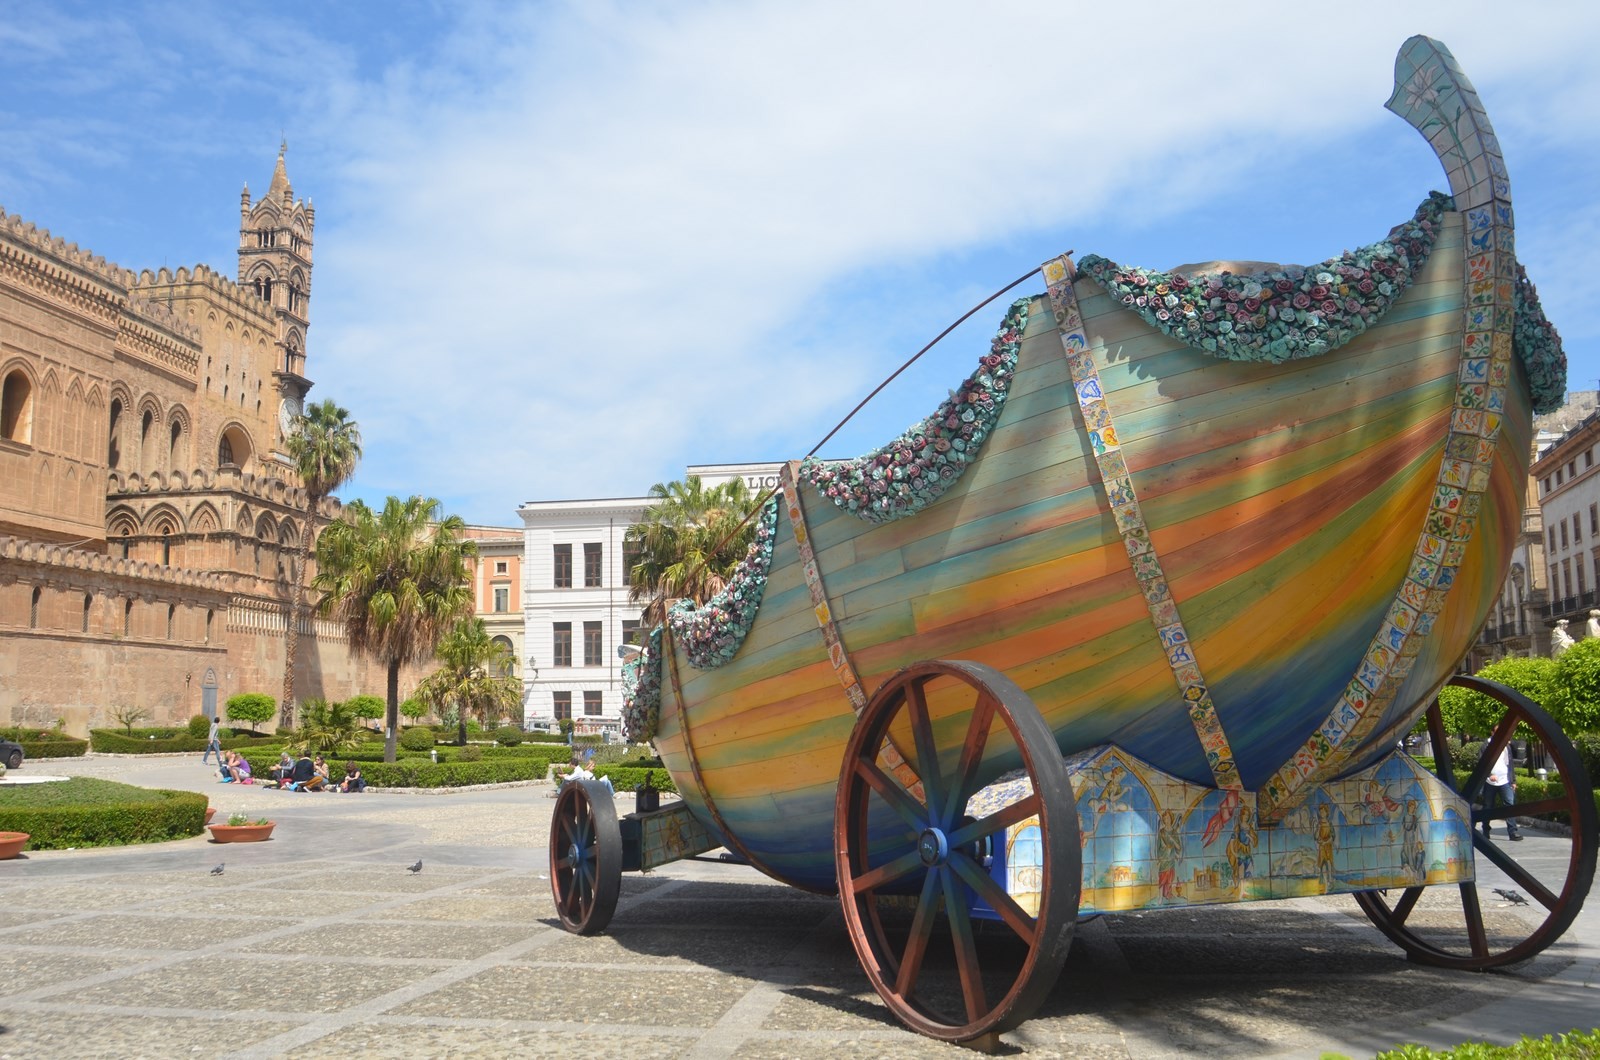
{"x":1463,"y":937}
{"x":585,"y":856}
{"x":910,"y":861}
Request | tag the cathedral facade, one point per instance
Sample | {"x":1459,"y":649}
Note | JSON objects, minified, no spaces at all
{"x":149,"y":514}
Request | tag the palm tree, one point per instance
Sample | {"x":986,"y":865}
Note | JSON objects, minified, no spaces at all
{"x":325,"y":446}
{"x":397,"y":579}
{"x":475,"y":678}
{"x":688,"y":543}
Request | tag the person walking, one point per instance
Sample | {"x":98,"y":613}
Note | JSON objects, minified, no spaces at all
{"x":1501,"y":787}
{"x":213,"y":745}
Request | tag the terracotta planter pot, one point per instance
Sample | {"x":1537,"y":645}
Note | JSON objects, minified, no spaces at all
{"x":211,"y":811}
{"x":241,"y":833}
{"x":11,"y":844}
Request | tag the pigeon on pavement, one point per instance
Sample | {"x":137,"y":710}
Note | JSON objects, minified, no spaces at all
{"x":1513,"y":897}
{"x":218,"y":870}
{"x":414,"y":869}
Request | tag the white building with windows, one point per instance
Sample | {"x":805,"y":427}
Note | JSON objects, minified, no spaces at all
{"x":575,"y":605}
{"x":1569,"y":497}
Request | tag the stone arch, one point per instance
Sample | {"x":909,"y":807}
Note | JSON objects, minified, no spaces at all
{"x":117,"y":427}
{"x":147,"y":429}
{"x":204,"y":519}
{"x":234,"y":447}
{"x":180,"y":429}
{"x":72,"y":420}
{"x":122,"y":521}
{"x":47,"y":412}
{"x":17,"y":387}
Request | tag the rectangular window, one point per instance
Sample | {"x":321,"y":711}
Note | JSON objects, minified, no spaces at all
{"x":562,"y":649}
{"x":1550,"y":532}
{"x":1577,"y":529}
{"x":499,"y":566}
{"x":561,"y":705}
{"x":1563,"y":533}
{"x":1554,"y":584}
{"x":1558,"y":476}
{"x":1594,"y":520}
{"x":1588,"y":459}
{"x":593,"y":652}
{"x":630,"y":559}
{"x":563,"y":567}
{"x":1572,"y":469}
{"x":591,"y":704}
{"x":591,"y":565}
{"x":502,"y":599}
{"x":630,"y":630}
{"x":1566,"y":578}
{"x":1546,"y":483}
{"x":1583,"y":578}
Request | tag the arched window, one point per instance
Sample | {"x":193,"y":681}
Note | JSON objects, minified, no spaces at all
{"x":33,"y":608}
{"x":16,"y":408}
{"x":127,"y":617}
{"x":224,"y":451}
{"x":210,"y":615}
{"x":166,"y":549}
{"x":172,"y":614}
{"x":114,"y":446}
{"x":146,"y":450}
{"x":174,"y":447}
{"x":88,"y":604}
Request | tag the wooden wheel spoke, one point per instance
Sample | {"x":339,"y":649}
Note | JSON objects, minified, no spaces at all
{"x":971,"y":757}
{"x":909,"y":810}
{"x":991,"y":892}
{"x":1002,"y":818}
{"x":927,"y":751}
{"x":1407,"y":902}
{"x":1532,"y":809}
{"x":1491,"y":751}
{"x":905,"y":980}
{"x":1519,"y":875}
{"x":965,"y":946}
{"x":899,"y":868}
{"x":1473,"y":913}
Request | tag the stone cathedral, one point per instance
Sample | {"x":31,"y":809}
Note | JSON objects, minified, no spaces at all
{"x":148,"y":512}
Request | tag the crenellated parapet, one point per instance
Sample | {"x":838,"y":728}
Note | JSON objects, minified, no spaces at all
{"x":244,"y":300}
{"x":62,"y":560}
{"x":67,"y":256}
{"x":266,"y":489}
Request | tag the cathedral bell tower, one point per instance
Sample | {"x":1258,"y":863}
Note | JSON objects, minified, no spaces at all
{"x":275,"y":264}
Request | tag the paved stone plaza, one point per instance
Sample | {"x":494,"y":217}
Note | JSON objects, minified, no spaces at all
{"x":319,"y":942}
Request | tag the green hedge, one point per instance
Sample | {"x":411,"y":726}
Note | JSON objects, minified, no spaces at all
{"x":627,"y":778}
{"x":115,"y":742}
{"x":1571,"y":1045}
{"x":46,"y":743}
{"x":421,"y":773}
{"x":85,"y":812}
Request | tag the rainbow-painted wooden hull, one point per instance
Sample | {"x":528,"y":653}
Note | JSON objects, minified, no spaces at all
{"x":1288,"y":504}
{"x":1285,"y":501}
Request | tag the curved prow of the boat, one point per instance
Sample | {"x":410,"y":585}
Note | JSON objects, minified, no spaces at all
{"x":1435,"y":97}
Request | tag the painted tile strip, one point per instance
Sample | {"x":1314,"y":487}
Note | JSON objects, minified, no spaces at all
{"x":1124,"y":505}
{"x":843,"y":668}
{"x":1433,"y":95}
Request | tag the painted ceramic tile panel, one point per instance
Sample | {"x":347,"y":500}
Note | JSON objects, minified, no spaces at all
{"x":672,"y":836}
{"x":1151,"y":840}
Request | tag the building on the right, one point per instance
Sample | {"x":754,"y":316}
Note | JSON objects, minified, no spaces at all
{"x":1568,"y":482}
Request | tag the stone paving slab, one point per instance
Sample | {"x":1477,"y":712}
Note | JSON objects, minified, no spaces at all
{"x":320,"y":943}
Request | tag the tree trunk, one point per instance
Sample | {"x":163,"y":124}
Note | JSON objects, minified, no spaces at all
{"x":461,"y":723}
{"x":392,"y":714}
{"x":297,"y":607}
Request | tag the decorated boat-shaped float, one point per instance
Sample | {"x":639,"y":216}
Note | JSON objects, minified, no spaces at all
{"x":1135,"y":619}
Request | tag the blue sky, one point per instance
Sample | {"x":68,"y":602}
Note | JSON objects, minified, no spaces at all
{"x":564,"y":249}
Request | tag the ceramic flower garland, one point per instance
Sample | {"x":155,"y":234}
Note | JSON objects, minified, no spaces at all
{"x":1284,"y":313}
{"x":1537,"y":345}
{"x":912,"y":471}
{"x":710,"y":635}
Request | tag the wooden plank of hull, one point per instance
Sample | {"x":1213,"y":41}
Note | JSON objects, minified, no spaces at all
{"x":1285,"y":501}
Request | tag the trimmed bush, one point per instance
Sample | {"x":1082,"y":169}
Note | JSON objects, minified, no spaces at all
{"x":85,"y":812}
{"x":1588,"y":745}
{"x":367,"y":708}
{"x":251,"y":707}
{"x":147,"y":742}
{"x":421,"y":773}
{"x":508,"y":736}
{"x":57,"y":746}
{"x":627,"y":777}
{"x":1571,"y":1045}
{"x":200,"y":726}
{"x":469,"y":754}
{"x":417,"y":739}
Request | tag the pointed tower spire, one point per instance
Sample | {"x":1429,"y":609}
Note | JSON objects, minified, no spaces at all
{"x":279,"y":188}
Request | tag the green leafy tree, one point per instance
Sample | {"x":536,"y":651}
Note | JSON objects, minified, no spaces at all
{"x":688,"y":543}
{"x":413,"y":710}
{"x":252,"y":707}
{"x":1574,"y":696}
{"x":397,"y":580}
{"x":473,"y":678}
{"x":1474,"y":713}
{"x":367,"y":708}
{"x":327,"y":728}
{"x":325,"y":446}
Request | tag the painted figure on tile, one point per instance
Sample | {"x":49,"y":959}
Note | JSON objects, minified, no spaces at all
{"x":1241,"y":848}
{"x":1412,"y":848}
{"x":1113,"y":795}
{"x":1323,"y":832}
{"x":1169,"y":851}
{"x":1560,"y":640}
{"x":1376,"y":801}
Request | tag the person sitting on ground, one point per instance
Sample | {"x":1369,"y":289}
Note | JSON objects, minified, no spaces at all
{"x":581,"y":771}
{"x":279,"y":773}
{"x":302,"y":774}
{"x":352,"y":781}
{"x":228,"y":767}
{"x":241,"y":769}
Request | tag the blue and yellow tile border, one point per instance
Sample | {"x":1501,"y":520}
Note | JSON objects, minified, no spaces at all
{"x":1124,"y":505}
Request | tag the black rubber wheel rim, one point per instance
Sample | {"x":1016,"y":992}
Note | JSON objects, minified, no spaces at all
{"x":927,"y":961}
{"x":585,"y":857}
{"x":14,"y":761}
{"x":1463,"y":938}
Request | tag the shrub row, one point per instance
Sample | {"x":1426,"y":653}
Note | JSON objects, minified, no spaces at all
{"x":421,"y":773}
{"x":85,"y":812}
{"x":46,"y":743}
{"x":628,"y":778}
{"x":146,"y":742}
